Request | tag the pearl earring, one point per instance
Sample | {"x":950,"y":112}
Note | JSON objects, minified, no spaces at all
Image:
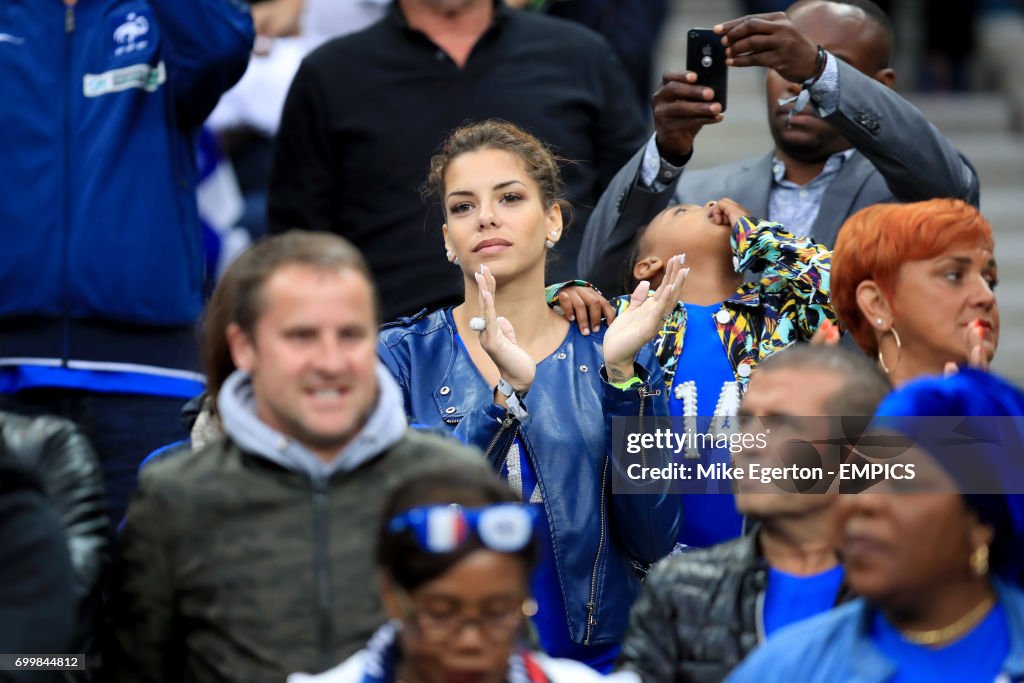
{"x":452,"y":258}
{"x":878,"y":321}
{"x":550,"y":241}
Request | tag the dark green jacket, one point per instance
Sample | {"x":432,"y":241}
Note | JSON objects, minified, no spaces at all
{"x":236,"y":569}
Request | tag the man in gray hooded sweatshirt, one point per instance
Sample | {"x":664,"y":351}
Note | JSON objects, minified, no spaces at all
{"x":252,"y":557}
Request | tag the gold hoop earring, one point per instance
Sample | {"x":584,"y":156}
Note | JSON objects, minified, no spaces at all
{"x":899,"y":345}
{"x":979,"y":560}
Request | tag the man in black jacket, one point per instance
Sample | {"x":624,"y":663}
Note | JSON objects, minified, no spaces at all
{"x":37,"y":584}
{"x":55,"y":451}
{"x":701,"y":612}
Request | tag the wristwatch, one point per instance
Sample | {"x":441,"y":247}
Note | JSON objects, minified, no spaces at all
{"x":513,"y":399}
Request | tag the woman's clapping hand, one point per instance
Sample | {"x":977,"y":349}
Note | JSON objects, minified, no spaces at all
{"x":498,"y":338}
{"x":640,"y":322}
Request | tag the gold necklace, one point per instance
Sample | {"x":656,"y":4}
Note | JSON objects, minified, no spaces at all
{"x":954,"y":630}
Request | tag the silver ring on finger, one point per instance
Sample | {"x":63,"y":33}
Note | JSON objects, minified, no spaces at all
{"x":477,"y":323}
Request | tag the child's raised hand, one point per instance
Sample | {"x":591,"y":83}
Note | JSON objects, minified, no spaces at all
{"x":640,"y":322}
{"x":726,"y":212}
{"x":585,"y":306}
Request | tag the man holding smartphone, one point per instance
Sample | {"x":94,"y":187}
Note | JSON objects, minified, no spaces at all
{"x":843,"y":138}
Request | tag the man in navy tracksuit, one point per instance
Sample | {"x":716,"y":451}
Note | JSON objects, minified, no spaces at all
{"x":101,"y":268}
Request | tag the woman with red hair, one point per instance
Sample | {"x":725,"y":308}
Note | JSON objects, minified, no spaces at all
{"x":914,"y":284}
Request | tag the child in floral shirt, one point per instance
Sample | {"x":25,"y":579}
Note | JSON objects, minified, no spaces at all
{"x":724,"y":323}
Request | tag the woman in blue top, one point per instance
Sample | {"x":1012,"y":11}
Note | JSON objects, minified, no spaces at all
{"x":939,"y":571}
{"x":506,"y":373}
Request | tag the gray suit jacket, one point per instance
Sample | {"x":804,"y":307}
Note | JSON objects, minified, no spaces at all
{"x":899,"y":156}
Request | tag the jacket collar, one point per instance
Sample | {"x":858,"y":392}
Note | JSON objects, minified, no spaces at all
{"x":384,"y":428}
{"x":747,"y":295}
{"x":871,"y":665}
{"x":753,"y":181}
{"x":750,"y":547}
{"x":840,"y":197}
{"x":1012,"y":599}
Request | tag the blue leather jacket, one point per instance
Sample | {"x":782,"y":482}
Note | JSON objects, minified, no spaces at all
{"x":596,"y":534}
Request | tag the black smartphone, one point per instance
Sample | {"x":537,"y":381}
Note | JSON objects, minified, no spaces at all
{"x":705,"y":56}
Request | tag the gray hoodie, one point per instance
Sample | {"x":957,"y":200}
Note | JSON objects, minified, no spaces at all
{"x":385,"y":427}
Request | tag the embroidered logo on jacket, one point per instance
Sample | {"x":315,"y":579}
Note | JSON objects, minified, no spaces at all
{"x":128,"y":35}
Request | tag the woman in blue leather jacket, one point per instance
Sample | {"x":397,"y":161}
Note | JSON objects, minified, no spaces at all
{"x":506,"y":373}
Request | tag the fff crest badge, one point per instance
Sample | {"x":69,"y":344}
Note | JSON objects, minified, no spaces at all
{"x":132,"y":31}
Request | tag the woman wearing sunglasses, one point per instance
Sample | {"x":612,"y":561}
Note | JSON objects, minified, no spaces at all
{"x":454,"y":556}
